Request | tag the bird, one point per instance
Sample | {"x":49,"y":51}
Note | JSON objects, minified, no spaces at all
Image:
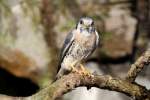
{"x":79,"y":44}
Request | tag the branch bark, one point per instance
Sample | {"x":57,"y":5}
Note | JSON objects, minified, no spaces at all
{"x":73,"y":80}
{"x":137,"y":67}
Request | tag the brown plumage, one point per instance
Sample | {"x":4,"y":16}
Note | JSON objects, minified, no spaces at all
{"x":78,"y":45}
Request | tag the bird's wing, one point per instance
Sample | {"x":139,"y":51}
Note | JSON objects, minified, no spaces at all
{"x":97,"y":39}
{"x":67,"y":43}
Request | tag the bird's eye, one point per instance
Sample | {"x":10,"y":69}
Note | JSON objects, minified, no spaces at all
{"x":92,"y":23}
{"x":81,"y":22}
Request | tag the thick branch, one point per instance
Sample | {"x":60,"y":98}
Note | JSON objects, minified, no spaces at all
{"x":69,"y":82}
{"x":73,"y":80}
{"x":138,"y":66}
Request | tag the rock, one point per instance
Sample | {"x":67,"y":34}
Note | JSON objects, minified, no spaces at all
{"x":119,"y":32}
{"x":24,"y":49}
{"x":82,"y":93}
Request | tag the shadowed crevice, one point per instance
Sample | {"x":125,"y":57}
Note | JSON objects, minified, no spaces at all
{"x":14,"y":86}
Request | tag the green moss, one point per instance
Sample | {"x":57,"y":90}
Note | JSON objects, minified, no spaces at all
{"x":44,"y":80}
{"x":4,"y":8}
{"x":69,"y":25}
{"x":6,"y":39}
{"x":107,"y":35}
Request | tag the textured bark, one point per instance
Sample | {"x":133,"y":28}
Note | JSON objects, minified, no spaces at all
{"x":73,"y":80}
{"x":138,"y":66}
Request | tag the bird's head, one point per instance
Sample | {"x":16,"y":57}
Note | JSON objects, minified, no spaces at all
{"x":85,"y":24}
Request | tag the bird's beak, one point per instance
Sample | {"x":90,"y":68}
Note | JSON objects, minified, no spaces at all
{"x":86,"y":27}
{"x":89,"y":28}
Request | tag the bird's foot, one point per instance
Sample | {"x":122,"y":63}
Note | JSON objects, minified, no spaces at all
{"x":73,"y":67}
{"x":84,"y":70}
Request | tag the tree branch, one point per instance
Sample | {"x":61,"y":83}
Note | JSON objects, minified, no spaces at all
{"x":73,"y":80}
{"x":138,"y":66}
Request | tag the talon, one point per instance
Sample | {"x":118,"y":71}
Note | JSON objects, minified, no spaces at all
{"x":84,"y":70}
{"x":73,"y":67}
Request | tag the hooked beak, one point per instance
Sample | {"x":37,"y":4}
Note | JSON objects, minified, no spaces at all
{"x":89,"y":28}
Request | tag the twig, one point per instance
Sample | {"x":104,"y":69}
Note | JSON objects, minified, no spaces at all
{"x":138,"y":66}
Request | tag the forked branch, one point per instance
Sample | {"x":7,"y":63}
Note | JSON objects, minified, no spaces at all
{"x":73,"y":80}
{"x":137,"y":67}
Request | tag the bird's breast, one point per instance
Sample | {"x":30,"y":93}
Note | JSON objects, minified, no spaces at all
{"x":79,"y":49}
{"x":84,"y":40}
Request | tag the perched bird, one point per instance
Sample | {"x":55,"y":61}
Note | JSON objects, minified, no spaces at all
{"x":78,"y":45}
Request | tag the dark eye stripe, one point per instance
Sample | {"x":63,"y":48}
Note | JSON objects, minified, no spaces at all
{"x":92,"y":23}
{"x":81,"y":22}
